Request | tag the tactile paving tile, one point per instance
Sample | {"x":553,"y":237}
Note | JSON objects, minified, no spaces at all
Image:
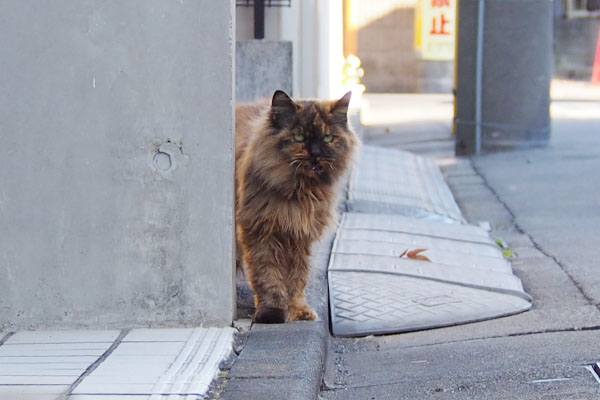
{"x":397,"y":182}
{"x":371,"y":303}
{"x":372,"y":290}
{"x":380,"y":235}
{"x":178,"y":362}
{"x":44,"y":364}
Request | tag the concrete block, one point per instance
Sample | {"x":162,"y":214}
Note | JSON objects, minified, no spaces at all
{"x":269,"y":388}
{"x":116,"y":199}
{"x":279,"y":362}
{"x":262,"y":67}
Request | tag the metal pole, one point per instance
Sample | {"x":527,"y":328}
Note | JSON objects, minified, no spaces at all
{"x":259,"y":19}
{"x":479,"y":75}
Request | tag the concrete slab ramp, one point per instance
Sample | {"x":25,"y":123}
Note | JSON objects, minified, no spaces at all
{"x":374,"y":291}
{"x":400,"y":202}
{"x":397,"y":182}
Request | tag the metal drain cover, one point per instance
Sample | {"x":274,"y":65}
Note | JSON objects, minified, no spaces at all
{"x":397,"y":182}
{"x":372,"y":290}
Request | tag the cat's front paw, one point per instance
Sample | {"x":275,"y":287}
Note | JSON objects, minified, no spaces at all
{"x":269,"y":315}
{"x":305,"y":313}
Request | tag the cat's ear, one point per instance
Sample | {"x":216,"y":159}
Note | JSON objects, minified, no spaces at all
{"x":339,"y":108}
{"x":282,"y":108}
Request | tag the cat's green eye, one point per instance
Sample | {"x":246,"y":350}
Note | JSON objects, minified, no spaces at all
{"x":298,"y":137}
{"x":328,"y":138}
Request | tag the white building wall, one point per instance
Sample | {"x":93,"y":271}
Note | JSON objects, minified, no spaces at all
{"x":315,"y":29}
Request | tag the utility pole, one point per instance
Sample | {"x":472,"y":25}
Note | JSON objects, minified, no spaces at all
{"x":503,"y":70}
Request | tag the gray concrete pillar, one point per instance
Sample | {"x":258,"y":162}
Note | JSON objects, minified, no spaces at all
{"x":117,"y":169}
{"x":516,"y":72}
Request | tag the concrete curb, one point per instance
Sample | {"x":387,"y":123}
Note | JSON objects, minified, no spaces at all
{"x":285,"y":361}
{"x":279,"y":362}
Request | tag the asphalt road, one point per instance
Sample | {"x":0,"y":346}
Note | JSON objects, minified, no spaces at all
{"x":545,"y":204}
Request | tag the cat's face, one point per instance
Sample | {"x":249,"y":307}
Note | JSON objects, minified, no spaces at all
{"x":313,"y":136}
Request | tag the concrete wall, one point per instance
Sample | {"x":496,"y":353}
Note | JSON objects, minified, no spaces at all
{"x":116,"y":179}
{"x":385,"y":46}
{"x":385,"y":43}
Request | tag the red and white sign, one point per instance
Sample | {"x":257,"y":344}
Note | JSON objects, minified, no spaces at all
{"x":438,"y":25}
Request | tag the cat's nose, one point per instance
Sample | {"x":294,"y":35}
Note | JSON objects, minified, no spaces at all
{"x":315,"y":149}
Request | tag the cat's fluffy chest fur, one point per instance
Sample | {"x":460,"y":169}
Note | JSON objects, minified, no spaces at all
{"x":290,"y":160}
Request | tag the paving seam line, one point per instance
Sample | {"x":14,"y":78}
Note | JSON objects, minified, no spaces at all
{"x":92,"y":367}
{"x":6,"y":337}
{"x":536,"y":245}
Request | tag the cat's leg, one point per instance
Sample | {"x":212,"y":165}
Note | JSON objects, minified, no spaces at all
{"x":299,"y":310}
{"x":267,"y":280}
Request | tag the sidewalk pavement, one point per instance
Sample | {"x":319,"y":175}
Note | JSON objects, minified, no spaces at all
{"x":544,"y":353}
{"x":544,"y":204}
{"x":547,"y":352}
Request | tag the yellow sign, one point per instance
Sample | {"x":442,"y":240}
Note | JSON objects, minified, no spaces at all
{"x":436,"y":24}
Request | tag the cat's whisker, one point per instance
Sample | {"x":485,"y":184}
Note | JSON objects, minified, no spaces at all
{"x":297,"y":163}
{"x":329,"y":164}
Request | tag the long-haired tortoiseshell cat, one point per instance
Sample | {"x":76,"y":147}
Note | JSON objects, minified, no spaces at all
{"x":290,"y":159}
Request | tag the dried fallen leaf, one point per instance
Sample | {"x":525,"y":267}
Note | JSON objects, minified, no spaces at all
{"x":415,"y":254}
